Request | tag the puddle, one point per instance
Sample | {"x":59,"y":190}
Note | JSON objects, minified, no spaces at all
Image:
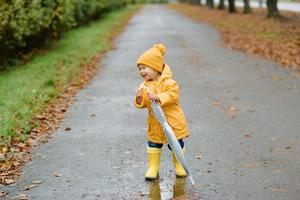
{"x":177,"y":189}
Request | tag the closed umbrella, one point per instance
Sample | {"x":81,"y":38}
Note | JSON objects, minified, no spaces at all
{"x":174,"y":144}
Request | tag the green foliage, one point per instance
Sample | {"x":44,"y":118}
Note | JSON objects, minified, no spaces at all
{"x":150,"y":1}
{"x":26,"y":90}
{"x":27,"y":24}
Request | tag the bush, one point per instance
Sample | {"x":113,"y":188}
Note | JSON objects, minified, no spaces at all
{"x":27,"y":24}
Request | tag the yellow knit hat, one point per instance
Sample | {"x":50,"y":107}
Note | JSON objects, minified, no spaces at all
{"x":154,"y":57}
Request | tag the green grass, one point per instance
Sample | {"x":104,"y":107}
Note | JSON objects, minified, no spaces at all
{"x":26,"y":90}
{"x":271,"y":35}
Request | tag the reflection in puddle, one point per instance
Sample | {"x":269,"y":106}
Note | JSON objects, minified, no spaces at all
{"x":179,"y":188}
{"x":154,"y":190}
{"x":164,"y":191}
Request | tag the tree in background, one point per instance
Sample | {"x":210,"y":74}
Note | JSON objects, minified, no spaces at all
{"x":260,"y":3}
{"x":272,"y":9}
{"x":231,"y":7}
{"x":247,"y":8}
{"x":196,"y":2}
{"x":210,"y":3}
{"x":221,"y":5}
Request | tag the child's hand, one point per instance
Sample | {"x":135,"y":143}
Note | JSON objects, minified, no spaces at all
{"x":139,"y":96}
{"x":139,"y":92}
{"x":153,"y":96}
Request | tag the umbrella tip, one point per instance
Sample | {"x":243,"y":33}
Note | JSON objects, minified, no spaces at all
{"x":192,"y":180}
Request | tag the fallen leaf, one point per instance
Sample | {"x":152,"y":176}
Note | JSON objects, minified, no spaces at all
{"x":116,"y":167}
{"x":23,"y":197}
{"x":67,"y":128}
{"x":275,"y":138}
{"x":251,"y":165}
{"x":45,"y":157}
{"x":25,"y":187}
{"x":277,"y":78}
{"x":37,"y":182}
{"x":33,"y":185}
{"x":233,"y":109}
{"x":9,"y":181}
{"x":248,"y":134}
{"x":279,"y":189}
{"x":276,"y":171}
{"x":40,"y":117}
{"x":3,"y":194}
{"x":216,"y":103}
{"x":142,"y":194}
{"x":56,"y":174}
{"x":4,"y":149}
{"x":2,"y":157}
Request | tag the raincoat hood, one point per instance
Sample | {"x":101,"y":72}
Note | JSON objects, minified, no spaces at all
{"x":166,"y":73}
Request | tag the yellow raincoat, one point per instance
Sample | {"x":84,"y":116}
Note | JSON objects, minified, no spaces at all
{"x":168,"y":92}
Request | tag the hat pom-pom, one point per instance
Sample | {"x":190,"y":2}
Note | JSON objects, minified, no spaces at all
{"x":161,"y":48}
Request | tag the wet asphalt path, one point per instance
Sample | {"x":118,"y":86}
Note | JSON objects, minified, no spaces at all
{"x":243,"y":113}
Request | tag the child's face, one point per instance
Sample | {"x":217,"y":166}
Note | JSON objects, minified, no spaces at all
{"x":147,"y":73}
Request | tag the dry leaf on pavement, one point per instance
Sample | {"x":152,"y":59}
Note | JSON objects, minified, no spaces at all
{"x":3,"y":194}
{"x":37,"y":182}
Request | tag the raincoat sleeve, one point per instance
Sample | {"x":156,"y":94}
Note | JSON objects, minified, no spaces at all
{"x":170,"y":94}
{"x":142,"y":105}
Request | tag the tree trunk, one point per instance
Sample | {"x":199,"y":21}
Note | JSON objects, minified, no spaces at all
{"x":247,"y":8}
{"x":260,"y":2}
{"x":210,"y":3}
{"x":231,"y":6}
{"x":272,"y":9}
{"x":221,"y":5}
{"x":196,"y":2}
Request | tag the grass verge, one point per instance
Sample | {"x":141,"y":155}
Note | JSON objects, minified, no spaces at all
{"x":26,"y":91}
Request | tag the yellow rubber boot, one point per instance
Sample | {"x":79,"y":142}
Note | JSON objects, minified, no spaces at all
{"x":154,"y":161}
{"x":179,"y":171}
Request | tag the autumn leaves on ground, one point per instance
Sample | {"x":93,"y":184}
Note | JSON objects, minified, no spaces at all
{"x":275,"y":39}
